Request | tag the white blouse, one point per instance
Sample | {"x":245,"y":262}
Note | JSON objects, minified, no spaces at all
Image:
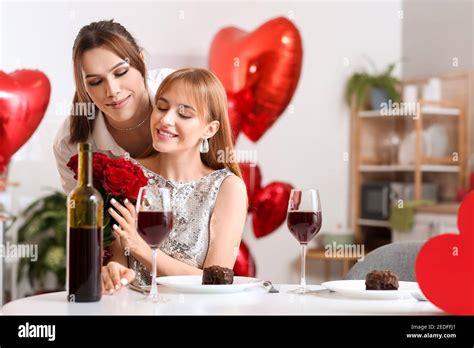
{"x":101,"y":139}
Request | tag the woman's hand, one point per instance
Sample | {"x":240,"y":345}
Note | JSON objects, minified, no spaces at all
{"x":126,"y":232}
{"x":115,"y":276}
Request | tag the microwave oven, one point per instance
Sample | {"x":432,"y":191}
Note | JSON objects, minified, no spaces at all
{"x":378,"y":197}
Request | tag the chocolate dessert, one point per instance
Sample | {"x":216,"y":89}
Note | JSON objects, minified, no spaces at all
{"x":381,"y":280}
{"x":217,"y":275}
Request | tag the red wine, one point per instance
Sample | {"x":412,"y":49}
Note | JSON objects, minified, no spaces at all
{"x":84,"y":223}
{"x":85,"y":258}
{"x":304,"y":225}
{"x":154,"y":226}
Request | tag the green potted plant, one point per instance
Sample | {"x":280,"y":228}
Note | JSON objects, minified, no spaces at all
{"x":382,"y":88}
{"x":45,"y":224}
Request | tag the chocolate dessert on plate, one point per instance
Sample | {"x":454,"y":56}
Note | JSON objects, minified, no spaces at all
{"x":381,"y":280}
{"x":217,"y":275}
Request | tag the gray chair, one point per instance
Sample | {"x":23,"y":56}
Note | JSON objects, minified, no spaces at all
{"x":396,"y":257}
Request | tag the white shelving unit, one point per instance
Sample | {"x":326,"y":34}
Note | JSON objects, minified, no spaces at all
{"x":386,"y":168}
{"x":433,"y":168}
{"x":374,"y":223}
{"x":425,"y":110}
{"x":440,"y":168}
{"x":369,"y":165}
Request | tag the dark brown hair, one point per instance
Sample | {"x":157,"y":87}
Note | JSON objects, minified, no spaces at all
{"x":109,"y":35}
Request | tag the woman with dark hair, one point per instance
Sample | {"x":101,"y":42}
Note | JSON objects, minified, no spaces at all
{"x":175,"y":136}
{"x":113,"y":99}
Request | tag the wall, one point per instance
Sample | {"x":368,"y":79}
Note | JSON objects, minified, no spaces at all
{"x":305,"y":148}
{"x":438,"y":38}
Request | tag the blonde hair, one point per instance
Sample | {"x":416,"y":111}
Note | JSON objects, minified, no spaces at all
{"x":209,"y":96}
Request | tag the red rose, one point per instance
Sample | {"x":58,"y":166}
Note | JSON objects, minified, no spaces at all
{"x":113,"y":177}
{"x":119,"y":177}
{"x":72,"y":164}
{"x":123,"y":178}
{"x":99,"y":162}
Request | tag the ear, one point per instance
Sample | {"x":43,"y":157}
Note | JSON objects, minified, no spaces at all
{"x":142,"y":55}
{"x":212,"y":129}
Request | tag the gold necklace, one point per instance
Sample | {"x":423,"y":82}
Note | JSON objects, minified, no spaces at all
{"x":138,"y":125}
{"x":131,"y":128}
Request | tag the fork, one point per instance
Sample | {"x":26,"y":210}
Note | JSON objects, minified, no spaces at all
{"x":269,"y":287}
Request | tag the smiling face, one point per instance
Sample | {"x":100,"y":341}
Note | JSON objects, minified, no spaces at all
{"x":176,"y":122}
{"x":114,"y":86}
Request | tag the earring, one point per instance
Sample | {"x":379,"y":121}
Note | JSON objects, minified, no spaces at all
{"x":204,"y":146}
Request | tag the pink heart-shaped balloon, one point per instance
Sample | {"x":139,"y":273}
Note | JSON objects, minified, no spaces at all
{"x":24,"y":97}
{"x":267,"y":60}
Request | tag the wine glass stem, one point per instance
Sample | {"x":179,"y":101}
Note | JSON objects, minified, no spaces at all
{"x":303,"y":267}
{"x":154,"y":287}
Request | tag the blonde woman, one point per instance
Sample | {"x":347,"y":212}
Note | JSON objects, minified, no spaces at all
{"x":190,"y":129}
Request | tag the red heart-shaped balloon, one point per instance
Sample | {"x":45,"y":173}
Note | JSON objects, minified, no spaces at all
{"x":240,"y":104}
{"x":445,"y":265}
{"x":253,"y":180}
{"x":245,"y":264}
{"x":24,"y":97}
{"x":267,"y":60}
{"x":271,"y":205}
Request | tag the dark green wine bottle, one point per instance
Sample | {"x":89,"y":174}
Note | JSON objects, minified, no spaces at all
{"x":84,"y":223}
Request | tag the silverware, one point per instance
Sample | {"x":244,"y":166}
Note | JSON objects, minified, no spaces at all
{"x":418,"y":295}
{"x":269,"y":287}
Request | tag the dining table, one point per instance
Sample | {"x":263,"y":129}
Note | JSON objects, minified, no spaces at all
{"x":256,"y":300}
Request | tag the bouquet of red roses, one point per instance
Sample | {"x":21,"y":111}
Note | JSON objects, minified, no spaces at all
{"x":114,"y":178}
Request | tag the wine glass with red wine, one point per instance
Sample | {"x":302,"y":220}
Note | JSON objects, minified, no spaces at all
{"x":154,"y":224}
{"x":304,"y":221}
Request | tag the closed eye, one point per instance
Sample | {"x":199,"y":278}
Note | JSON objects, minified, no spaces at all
{"x":121,"y":73}
{"x":179,"y":114}
{"x":95,"y":83}
{"x":98,"y":82}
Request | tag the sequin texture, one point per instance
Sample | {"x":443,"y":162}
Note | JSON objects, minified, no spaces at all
{"x":193,"y":203}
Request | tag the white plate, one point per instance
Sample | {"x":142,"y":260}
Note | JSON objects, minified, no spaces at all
{"x":356,"y":289}
{"x":193,"y":284}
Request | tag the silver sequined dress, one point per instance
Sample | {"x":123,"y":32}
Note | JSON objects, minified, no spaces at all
{"x":193,"y":203}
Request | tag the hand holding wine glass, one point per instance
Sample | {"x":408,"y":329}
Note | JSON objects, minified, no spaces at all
{"x":126,"y":230}
{"x":304,"y":222}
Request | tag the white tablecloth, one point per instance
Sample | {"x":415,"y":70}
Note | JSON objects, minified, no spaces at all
{"x":255,"y":301}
